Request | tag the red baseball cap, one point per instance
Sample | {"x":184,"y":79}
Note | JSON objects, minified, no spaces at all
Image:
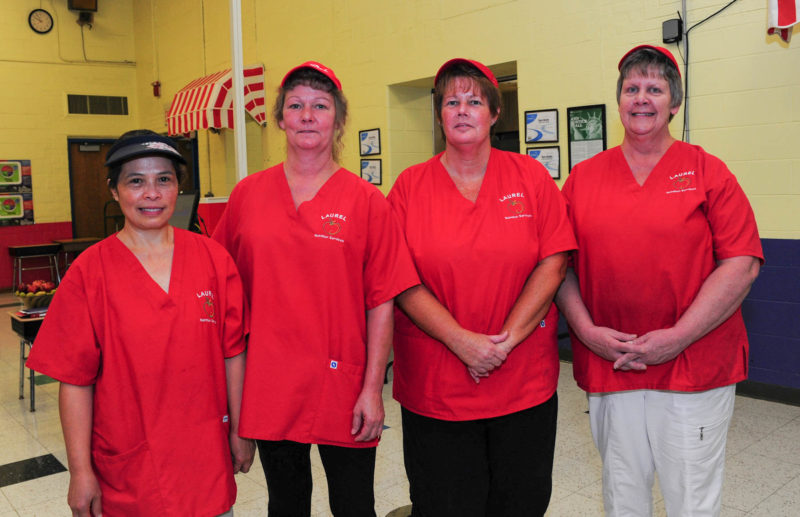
{"x":661,"y":50}
{"x":480,"y":66}
{"x":319,"y":67}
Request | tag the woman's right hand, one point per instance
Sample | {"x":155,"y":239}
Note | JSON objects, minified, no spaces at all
{"x":480,"y":352}
{"x":610,"y":344}
{"x":84,"y":496}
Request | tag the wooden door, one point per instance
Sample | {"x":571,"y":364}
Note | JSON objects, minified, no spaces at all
{"x":88,"y":191}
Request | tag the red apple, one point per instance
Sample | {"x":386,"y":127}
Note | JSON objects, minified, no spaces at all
{"x":331,"y":227}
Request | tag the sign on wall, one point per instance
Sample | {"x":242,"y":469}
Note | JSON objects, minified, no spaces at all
{"x":587,"y":132}
{"x":16,"y":193}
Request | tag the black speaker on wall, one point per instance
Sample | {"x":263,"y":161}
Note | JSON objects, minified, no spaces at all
{"x":672,"y":30}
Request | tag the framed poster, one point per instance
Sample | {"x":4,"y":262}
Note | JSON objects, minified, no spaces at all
{"x":550,"y":157}
{"x":541,"y":126}
{"x":370,"y":142}
{"x":16,"y":193}
{"x":371,"y":171}
{"x":587,"y":132}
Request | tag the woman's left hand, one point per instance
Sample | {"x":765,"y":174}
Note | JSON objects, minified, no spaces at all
{"x":368,"y":416}
{"x":656,"y":347}
{"x":243,"y":452}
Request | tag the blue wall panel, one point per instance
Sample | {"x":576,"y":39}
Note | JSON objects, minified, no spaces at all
{"x":772,"y":316}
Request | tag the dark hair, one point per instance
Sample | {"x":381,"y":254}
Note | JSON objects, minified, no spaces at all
{"x":313,"y":79}
{"x":464,"y":70}
{"x":116,"y":169}
{"x":647,"y":61}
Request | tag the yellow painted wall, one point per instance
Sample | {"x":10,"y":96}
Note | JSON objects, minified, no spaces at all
{"x":38,"y":71}
{"x":744,"y":85}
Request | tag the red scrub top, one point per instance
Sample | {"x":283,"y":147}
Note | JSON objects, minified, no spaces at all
{"x":475,"y":258}
{"x":645,"y":251}
{"x":310,"y":274}
{"x":160,"y":431}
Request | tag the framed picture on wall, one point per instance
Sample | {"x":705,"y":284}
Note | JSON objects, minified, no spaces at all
{"x":371,"y":171}
{"x":550,"y":157}
{"x":541,"y":126}
{"x":370,"y":142}
{"x":587,"y":132}
{"x":16,"y":193}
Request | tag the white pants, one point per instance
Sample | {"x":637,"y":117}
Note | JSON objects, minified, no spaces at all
{"x":681,"y":435}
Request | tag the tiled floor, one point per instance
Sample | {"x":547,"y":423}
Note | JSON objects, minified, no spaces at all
{"x":762,"y":476}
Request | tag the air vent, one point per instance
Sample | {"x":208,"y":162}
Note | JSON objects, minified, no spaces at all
{"x":97,"y":104}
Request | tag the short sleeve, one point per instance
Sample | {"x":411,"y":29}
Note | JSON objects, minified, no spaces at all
{"x":730,"y":216}
{"x":236,"y":322}
{"x":397,"y":199}
{"x":555,"y":230}
{"x":66,"y":346}
{"x":388,"y":268}
{"x":567,"y":195}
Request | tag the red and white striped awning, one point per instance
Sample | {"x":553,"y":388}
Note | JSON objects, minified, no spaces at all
{"x":782,"y":15}
{"x":208,"y":101}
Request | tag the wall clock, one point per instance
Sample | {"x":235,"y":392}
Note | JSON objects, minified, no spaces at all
{"x":40,"y":21}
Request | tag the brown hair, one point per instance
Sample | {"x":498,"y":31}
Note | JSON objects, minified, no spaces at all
{"x":313,"y":79}
{"x":481,"y":83}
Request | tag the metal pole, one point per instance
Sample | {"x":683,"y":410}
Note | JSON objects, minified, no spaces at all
{"x":237,"y":68}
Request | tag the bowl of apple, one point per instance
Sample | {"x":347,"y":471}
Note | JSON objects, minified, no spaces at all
{"x":36,"y":294}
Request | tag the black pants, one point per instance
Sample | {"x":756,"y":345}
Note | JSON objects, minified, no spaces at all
{"x":287,"y":467}
{"x":492,"y":467}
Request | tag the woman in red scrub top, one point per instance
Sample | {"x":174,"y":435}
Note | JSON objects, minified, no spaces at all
{"x":667,"y":250}
{"x":146,"y":335}
{"x":321,"y":257}
{"x":476,"y":359}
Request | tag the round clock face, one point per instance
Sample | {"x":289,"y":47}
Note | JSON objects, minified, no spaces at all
{"x":40,"y":21}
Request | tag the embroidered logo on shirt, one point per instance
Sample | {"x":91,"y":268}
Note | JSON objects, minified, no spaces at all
{"x":207,"y":310}
{"x":514,"y":204}
{"x":332,"y":225}
{"x":681,"y":182}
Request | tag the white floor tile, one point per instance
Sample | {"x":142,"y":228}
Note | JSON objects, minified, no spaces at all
{"x":38,"y":491}
{"x":5,"y":506}
{"x":52,"y":508}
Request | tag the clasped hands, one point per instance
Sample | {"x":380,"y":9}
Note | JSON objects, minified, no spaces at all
{"x":482,"y":353}
{"x":632,"y":352}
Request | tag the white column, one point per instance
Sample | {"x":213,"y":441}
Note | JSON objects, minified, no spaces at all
{"x":239,"y":132}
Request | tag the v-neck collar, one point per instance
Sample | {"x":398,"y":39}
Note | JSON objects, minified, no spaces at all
{"x":452,"y":184}
{"x":654,"y":172}
{"x":286,"y":191}
{"x":133,"y":264}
